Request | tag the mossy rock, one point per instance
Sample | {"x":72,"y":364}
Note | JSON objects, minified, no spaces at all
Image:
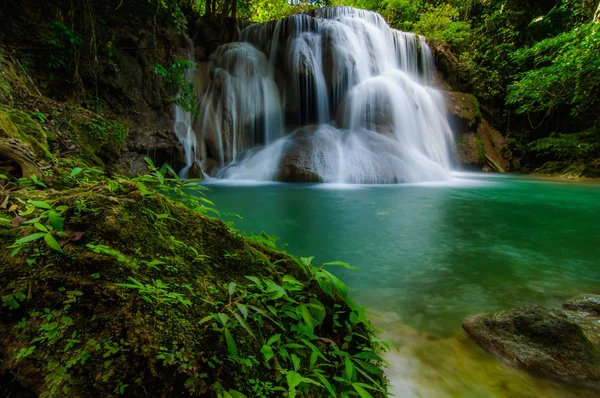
{"x":19,"y":125}
{"x":541,"y":340}
{"x":164,"y":338}
{"x":98,"y":138}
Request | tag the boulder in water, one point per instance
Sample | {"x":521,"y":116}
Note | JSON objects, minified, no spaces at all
{"x":306,"y":156}
{"x":586,"y":303}
{"x":541,"y":340}
{"x":195,"y":171}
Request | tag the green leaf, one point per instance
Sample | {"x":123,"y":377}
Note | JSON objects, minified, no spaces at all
{"x":244,"y":324}
{"x":40,"y":204}
{"x":242,"y":309}
{"x":273,"y":339}
{"x":348,"y":369}
{"x":223,"y":318}
{"x":52,"y":243}
{"x":275,"y":290}
{"x":306,"y":260}
{"x":361,"y":391}
{"x":293,"y":379}
{"x":340,"y":264}
{"x":255,"y":280}
{"x":40,"y":227}
{"x":30,"y":238}
{"x":325,"y":382}
{"x":315,"y":349}
{"x":143,"y":189}
{"x":367,"y":355}
{"x":55,"y":220}
{"x":5,"y":219}
{"x":236,"y":394}
{"x":368,"y":367}
{"x":231,"y":288}
{"x":267,"y":352}
{"x":308,"y":319}
{"x":231,"y":346}
{"x":75,"y":171}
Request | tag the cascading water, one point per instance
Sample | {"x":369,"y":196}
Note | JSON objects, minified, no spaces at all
{"x":183,"y":120}
{"x":333,"y":95}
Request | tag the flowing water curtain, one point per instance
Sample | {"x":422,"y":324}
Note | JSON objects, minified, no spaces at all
{"x":362,"y":84}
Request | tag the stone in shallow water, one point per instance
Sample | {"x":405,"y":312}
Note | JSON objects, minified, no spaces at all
{"x":588,"y":303}
{"x":541,"y":340}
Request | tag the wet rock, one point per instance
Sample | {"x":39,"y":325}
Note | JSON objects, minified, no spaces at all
{"x":195,"y":171}
{"x":479,"y":145}
{"x":306,"y":157}
{"x":495,"y":147}
{"x":469,"y":152}
{"x":584,"y":303}
{"x":544,"y":341}
{"x":463,"y":111}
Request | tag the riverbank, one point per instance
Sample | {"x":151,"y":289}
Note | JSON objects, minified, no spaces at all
{"x":112,"y":288}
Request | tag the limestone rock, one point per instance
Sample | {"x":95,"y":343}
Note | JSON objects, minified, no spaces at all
{"x":541,"y":340}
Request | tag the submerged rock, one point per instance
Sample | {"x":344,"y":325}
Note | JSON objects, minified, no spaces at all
{"x":541,"y":340}
{"x":586,"y":303}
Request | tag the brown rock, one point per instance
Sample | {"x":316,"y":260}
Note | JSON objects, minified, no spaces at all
{"x":538,"y":339}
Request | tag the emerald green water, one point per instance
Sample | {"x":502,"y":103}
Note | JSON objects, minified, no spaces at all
{"x":433,"y":254}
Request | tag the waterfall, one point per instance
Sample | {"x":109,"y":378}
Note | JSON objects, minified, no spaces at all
{"x":183,"y":119}
{"x":332,"y":95}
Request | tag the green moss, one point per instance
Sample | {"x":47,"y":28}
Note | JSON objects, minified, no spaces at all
{"x":476,"y":109}
{"x":163,"y":339}
{"x":481,"y":149}
{"x":19,"y":125}
{"x":98,"y":139}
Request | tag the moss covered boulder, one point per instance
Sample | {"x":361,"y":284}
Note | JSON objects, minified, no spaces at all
{"x":115,"y":289}
{"x":545,"y":341}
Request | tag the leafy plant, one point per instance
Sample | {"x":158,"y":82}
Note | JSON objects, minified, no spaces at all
{"x":176,"y":74}
{"x":48,"y":223}
{"x":156,"y":292}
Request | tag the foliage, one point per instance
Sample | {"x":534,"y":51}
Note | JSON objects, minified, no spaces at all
{"x":179,"y":302}
{"x":579,"y":147}
{"x":176,"y":73}
{"x":102,"y":129}
{"x":565,"y":72}
{"x":441,"y":23}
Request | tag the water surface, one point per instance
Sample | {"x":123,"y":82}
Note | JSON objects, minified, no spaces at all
{"x":433,"y":254}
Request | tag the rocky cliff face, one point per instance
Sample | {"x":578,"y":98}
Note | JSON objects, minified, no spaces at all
{"x":478,"y":145}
